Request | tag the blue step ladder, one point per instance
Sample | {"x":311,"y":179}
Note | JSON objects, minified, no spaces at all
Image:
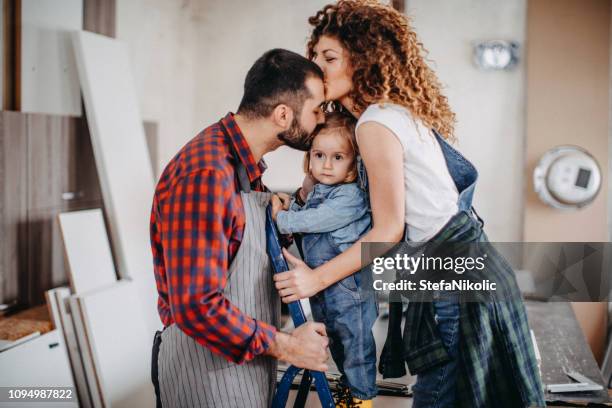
{"x":279,"y":264}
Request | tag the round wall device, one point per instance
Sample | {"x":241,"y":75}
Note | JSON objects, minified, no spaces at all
{"x":567,"y":177}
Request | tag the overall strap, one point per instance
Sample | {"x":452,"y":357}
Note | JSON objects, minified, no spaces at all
{"x":241,"y":173}
{"x":362,"y":180}
{"x":463,"y":173}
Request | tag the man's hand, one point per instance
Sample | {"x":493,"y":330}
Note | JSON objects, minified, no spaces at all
{"x":305,"y":347}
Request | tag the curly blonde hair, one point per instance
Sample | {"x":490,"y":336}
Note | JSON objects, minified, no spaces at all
{"x":387,"y":60}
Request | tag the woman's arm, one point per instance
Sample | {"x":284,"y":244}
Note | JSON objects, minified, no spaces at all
{"x":382,"y":155}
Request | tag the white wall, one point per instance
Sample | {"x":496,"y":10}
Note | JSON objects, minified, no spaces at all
{"x":190,"y":59}
{"x":162,"y":36}
{"x":227,"y":51}
{"x":489,"y":105}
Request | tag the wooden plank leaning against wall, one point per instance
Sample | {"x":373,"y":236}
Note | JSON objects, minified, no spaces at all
{"x":568,"y":49}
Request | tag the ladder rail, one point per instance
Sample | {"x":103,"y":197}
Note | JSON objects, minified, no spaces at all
{"x":279,"y":264}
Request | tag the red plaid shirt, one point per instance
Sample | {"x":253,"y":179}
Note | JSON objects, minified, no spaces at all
{"x":197,"y":224}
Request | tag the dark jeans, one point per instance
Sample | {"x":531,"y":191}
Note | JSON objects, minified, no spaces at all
{"x":436,"y":388}
{"x":349,"y":312}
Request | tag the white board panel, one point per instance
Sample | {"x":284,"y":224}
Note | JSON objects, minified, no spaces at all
{"x":121,"y":345}
{"x":88,"y":253}
{"x":122,"y":160}
{"x":49,"y":80}
{"x":53,"y":308}
{"x":85,"y":352}
{"x":58,"y":299}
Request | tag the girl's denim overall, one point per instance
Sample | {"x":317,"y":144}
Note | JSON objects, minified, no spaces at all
{"x":333,"y":218}
{"x":347,"y":308}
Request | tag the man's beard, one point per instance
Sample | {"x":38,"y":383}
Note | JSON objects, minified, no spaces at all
{"x":296,"y":137}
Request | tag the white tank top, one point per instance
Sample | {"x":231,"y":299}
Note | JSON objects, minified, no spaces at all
{"x":431,"y":194}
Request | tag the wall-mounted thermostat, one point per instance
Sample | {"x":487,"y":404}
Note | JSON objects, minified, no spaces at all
{"x":567,"y":177}
{"x":496,"y":55}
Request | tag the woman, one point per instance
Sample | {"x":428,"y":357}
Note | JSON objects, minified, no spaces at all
{"x":420,"y":190}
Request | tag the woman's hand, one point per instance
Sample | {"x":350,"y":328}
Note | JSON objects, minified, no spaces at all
{"x":299,"y":283}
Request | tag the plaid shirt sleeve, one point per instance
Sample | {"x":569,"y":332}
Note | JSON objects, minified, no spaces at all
{"x":196,"y":221}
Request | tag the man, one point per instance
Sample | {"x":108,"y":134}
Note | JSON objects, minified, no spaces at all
{"x":217,"y":300}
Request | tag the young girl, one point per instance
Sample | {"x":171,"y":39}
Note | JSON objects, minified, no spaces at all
{"x":332,"y":217}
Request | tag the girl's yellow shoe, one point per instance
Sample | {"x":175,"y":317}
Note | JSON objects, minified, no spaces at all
{"x":356,"y":402}
{"x":344,"y":399}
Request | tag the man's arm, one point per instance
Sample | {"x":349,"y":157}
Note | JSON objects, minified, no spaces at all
{"x":195,"y":216}
{"x":305,"y":347}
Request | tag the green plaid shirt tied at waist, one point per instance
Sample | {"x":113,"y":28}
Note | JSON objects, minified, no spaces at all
{"x":497,"y":364}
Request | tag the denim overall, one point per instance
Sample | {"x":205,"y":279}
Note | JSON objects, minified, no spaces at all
{"x":495,"y":365}
{"x":347,"y":309}
{"x":437,"y":387}
{"x":441,"y":381}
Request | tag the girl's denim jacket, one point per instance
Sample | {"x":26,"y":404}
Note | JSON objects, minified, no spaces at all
{"x":331,"y":220}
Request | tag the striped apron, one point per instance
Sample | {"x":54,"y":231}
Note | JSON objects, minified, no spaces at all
{"x":189,"y":374}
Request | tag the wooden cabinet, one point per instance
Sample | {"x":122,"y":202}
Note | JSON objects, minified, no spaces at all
{"x":61,"y":166}
{"x":61,"y":177}
{"x":47,"y":166}
{"x":13,"y":203}
{"x":40,"y":362}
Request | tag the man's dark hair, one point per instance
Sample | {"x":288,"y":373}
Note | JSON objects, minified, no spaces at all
{"x":278,"y":76}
